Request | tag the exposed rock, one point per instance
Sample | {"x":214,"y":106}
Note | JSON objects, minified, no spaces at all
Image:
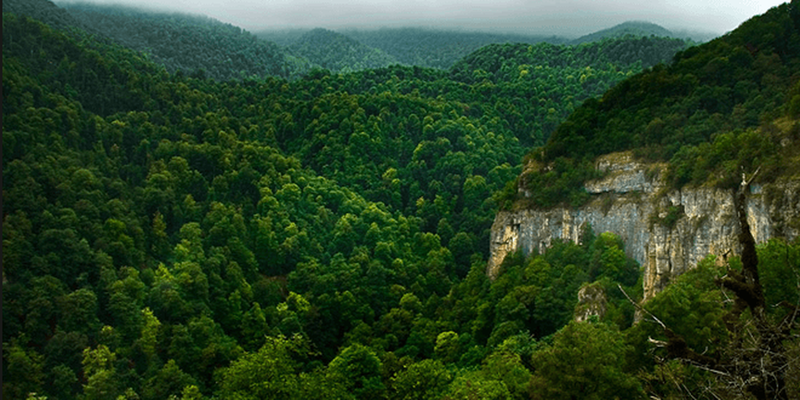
{"x":591,"y":302}
{"x":666,"y":231}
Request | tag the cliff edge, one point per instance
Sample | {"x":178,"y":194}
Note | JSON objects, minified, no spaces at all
{"x":667,"y":231}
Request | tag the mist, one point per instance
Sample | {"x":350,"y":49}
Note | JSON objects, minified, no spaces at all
{"x":568,"y":18}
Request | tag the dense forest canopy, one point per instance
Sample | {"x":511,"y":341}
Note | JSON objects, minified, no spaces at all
{"x":189,"y":43}
{"x":437,"y":48}
{"x":250,"y":236}
{"x":727,"y":104}
{"x":339,"y":53}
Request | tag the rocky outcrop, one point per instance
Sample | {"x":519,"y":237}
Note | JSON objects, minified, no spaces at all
{"x":591,"y":302}
{"x":666,"y":231}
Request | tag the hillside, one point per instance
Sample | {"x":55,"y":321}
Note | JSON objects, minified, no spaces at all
{"x":44,"y":11}
{"x":185,"y":230}
{"x":690,"y":112}
{"x":694,"y":165}
{"x":543,"y":83}
{"x":337,"y":52}
{"x":283,"y":37}
{"x":166,"y":235}
{"x":633,"y":28}
{"x":436,"y":48}
{"x":191,"y":44}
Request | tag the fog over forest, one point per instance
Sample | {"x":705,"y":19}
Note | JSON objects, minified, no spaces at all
{"x":570,"y":18}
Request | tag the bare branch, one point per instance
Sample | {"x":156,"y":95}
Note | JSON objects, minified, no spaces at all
{"x":640,"y":308}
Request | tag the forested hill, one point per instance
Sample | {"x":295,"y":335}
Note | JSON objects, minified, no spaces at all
{"x":186,"y":42}
{"x":634,"y":28}
{"x":339,"y":53}
{"x":436,"y":48}
{"x":717,"y":107}
{"x":191,"y":44}
{"x":158,"y":240}
{"x":43,"y":10}
{"x":324,"y":237}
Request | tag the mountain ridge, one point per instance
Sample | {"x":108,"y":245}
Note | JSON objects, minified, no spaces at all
{"x":338,"y":52}
{"x":634,"y":28}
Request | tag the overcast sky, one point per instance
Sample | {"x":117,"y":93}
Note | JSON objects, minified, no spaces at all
{"x":560,"y":17}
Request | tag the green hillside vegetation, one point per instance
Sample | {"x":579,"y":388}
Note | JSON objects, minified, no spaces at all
{"x":436,"y":48}
{"x":633,"y":28}
{"x":281,"y":37}
{"x":152,"y":240}
{"x":718,"y":107}
{"x":338,"y":53}
{"x":437,"y":145}
{"x":180,"y":42}
{"x":44,"y":11}
{"x":169,"y":235}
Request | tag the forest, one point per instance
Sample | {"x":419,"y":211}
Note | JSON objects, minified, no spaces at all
{"x":192,"y":234}
{"x":716,"y":109}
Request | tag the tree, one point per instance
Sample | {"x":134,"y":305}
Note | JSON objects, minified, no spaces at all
{"x":358,"y":368}
{"x":757,"y":360}
{"x":268,"y":373}
{"x":586,"y":360}
{"x":22,"y":370}
{"x":425,"y":380}
{"x":169,"y":381}
{"x":102,"y":381}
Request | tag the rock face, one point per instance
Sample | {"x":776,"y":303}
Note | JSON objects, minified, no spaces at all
{"x":591,"y":303}
{"x":666,"y":231}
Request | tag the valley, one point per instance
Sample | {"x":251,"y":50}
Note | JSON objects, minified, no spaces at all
{"x":192,"y":211}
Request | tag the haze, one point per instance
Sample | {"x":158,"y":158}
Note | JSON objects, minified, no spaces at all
{"x":570,"y":18}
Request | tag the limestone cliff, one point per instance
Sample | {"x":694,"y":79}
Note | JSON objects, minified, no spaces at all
{"x":666,"y":231}
{"x":591,"y":302}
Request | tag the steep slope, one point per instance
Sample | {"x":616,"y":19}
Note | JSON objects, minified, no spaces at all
{"x":339,"y":53}
{"x":168,"y":236}
{"x":543,"y":83}
{"x":435,"y":144}
{"x":667,"y":231}
{"x":153,"y":223}
{"x":42,"y":10}
{"x":192,"y":44}
{"x":720,"y":109}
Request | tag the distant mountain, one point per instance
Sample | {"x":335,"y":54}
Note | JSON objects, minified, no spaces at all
{"x":192,"y":44}
{"x":186,"y":42}
{"x":283,"y":37}
{"x":339,"y":53}
{"x":635,"y":28}
{"x":436,"y":48}
{"x":42,"y":10}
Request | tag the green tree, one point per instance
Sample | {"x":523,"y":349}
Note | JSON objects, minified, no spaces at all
{"x":102,"y":380}
{"x":427,"y":379}
{"x":358,"y":368}
{"x":585,"y":360}
{"x":268,"y":373}
{"x":22,"y":370}
{"x":168,"y":381}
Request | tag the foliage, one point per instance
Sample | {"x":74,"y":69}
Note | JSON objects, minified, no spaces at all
{"x":585,"y":360}
{"x":715,"y":108}
{"x":436,"y":48}
{"x":338,"y":53}
{"x":166,"y":235}
{"x":697,"y":309}
{"x":636,"y":28}
{"x":193,"y":44}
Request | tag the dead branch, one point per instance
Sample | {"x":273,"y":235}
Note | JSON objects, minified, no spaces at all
{"x":640,"y":308}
